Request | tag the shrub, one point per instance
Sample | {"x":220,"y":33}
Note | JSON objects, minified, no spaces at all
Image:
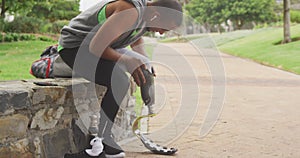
{"x":1,"y":37}
{"x":47,"y":39}
{"x":15,"y":36}
{"x":2,"y":25}
{"x":32,"y":38}
{"x":8,"y":37}
{"x":24,"y":25}
{"x":24,"y":37}
{"x":47,"y":28}
{"x":27,"y":37}
{"x":54,"y":27}
{"x":58,"y":25}
{"x":295,"y":16}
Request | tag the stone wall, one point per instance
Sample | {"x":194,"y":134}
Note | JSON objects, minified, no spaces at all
{"x":48,"y":121}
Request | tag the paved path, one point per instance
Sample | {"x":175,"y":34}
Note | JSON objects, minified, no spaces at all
{"x":260,"y":117}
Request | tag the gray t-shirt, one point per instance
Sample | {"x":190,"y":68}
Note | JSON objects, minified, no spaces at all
{"x":85,"y":25}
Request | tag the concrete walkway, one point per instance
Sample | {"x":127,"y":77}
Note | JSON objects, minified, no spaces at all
{"x":260,"y":117}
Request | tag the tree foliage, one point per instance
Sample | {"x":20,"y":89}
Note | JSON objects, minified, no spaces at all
{"x":33,"y":16}
{"x":206,"y":11}
{"x":44,"y":9}
{"x":16,"y":6}
{"x":240,"y":12}
{"x":54,"y":10}
{"x":251,"y":10}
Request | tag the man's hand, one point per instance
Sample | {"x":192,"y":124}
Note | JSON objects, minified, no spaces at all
{"x":147,"y":89}
{"x":134,"y":67}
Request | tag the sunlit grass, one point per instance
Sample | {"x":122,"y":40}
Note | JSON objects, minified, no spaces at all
{"x":16,"y":58}
{"x":261,"y":47}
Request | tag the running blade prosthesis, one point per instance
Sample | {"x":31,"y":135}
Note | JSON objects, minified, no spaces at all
{"x":147,"y":91}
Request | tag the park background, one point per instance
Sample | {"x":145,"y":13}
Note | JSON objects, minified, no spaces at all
{"x":252,"y":29}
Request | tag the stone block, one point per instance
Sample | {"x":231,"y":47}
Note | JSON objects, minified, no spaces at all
{"x":46,"y":118}
{"x":4,"y":101}
{"x":49,"y":95}
{"x":79,"y":91}
{"x":20,"y":99}
{"x":13,"y":126}
{"x":16,"y":150}
{"x":56,"y":144}
{"x":95,"y":104}
{"x":37,"y":147}
{"x":101,"y":90}
{"x":80,"y":139}
{"x":14,"y":99}
{"x":88,"y":90}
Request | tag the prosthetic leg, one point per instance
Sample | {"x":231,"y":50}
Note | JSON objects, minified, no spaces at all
{"x":148,"y":96}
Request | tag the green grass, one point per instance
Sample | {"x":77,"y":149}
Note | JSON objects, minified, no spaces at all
{"x":149,"y":50}
{"x":181,"y":39}
{"x":17,"y":57}
{"x":138,"y":102}
{"x":261,"y":47}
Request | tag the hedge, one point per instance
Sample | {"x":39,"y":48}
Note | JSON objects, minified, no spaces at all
{"x":24,"y":25}
{"x":32,"y":25}
{"x":11,"y":37}
{"x":295,"y":16}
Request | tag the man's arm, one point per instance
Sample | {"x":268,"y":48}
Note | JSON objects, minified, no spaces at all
{"x":138,"y":46}
{"x":116,"y":24}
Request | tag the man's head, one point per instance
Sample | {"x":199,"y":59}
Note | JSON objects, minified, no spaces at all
{"x":163,"y":15}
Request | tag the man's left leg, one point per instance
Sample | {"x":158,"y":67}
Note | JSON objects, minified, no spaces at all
{"x":117,"y":83}
{"x":117,"y":88}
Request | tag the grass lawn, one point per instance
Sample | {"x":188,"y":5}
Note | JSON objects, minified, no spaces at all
{"x":181,"y":39}
{"x":16,"y":58}
{"x":258,"y":45}
{"x":261,"y":47}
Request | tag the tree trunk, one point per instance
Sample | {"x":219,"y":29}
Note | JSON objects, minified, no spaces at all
{"x":239,"y":24}
{"x":219,"y":28}
{"x":287,"y":21}
{"x":207,"y":27}
{"x":3,"y":9}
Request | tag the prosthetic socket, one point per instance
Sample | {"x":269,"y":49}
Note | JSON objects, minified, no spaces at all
{"x":147,"y":90}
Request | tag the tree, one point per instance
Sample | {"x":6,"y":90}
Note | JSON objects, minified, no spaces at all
{"x":3,"y":9}
{"x":286,"y":20}
{"x":16,"y":7}
{"x":238,"y":11}
{"x":63,"y":11}
{"x":40,"y":10}
{"x":242,"y":11}
{"x":54,"y":10}
{"x":208,"y":12}
{"x":45,"y":9}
